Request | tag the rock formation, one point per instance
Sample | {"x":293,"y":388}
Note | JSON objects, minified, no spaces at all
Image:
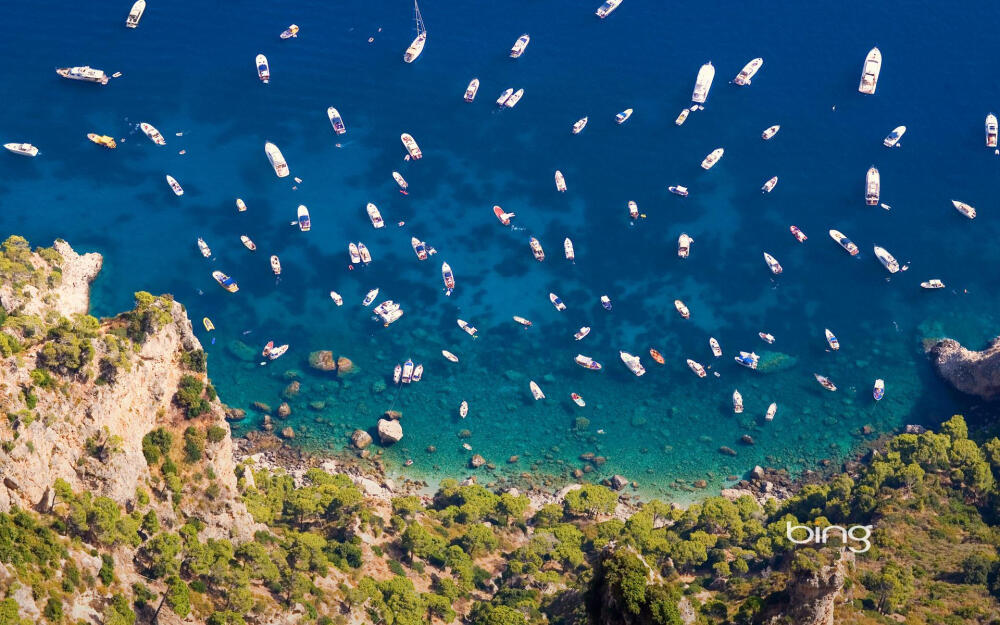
{"x":812,"y":596}
{"x":389,"y":431}
{"x":974,"y":373}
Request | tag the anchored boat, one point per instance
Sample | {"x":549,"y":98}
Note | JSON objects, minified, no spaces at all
{"x":290,"y":32}
{"x":579,"y":125}
{"x":225,"y":281}
{"x":558,"y":303}
{"x":336,"y":120}
{"x":417,"y":46}
{"x":519,"y":46}
{"x":706,"y":74}
{"x":276,"y":159}
{"x":769,"y":185}
{"x":84,"y":73}
{"x":411,"y":146}
{"x":870,"y":72}
{"x":772,"y":263}
{"x":560,"y":182}
{"x":712,"y":158}
{"x":991,"y":131}
{"x":263,"y":69}
{"x":697,"y":368}
{"x":886,"y":259}
{"x":568,"y":249}
{"x":605,"y":9}
{"x":678,"y":190}
{"x":419,"y":248}
{"x":770,"y":132}
{"x":375,"y":216}
{"x":737,"y":402}
{"x":749,"y":71}
{"x":933,"y":283}
{"x":747,"y":359}
{"x":633,"y":363}
{"x":831,"y":340}
{"x":622,"y":117}
{"x":798,"y":234}
{"x":448,"y":277}
{"x":587,"y":362}
{"x":873,"y":185}
{"x":24,"y":149}
{"x":472,"y":90}
{"x":175,"y":186}
{"x":536,"y":249}
{"x":302,"y":217}
{"x":135,"y":14}
{"x":964,"y":208}
{"x":502,"y":216}
{"x":153,"y":134}
{"x":684,"y":245}
{"x":878,"y":392}
{"x":825,"y":382}
{"x":682,"y":310}
{"x":892,"y":140}
{"x":844,"y":242}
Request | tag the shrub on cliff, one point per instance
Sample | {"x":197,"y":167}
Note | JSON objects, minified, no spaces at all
{"x":155,"y":444}
{"x":149,"y":315}
{"x":591,"y":500}
{"x":194,"y":444}
{"x":68,"y":347}
{"x":189,"y":396}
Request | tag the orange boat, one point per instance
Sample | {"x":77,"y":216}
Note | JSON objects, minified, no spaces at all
{"x":657,"y":356}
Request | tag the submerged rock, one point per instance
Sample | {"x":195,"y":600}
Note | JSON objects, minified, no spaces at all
{"x":360,"y":439}
{"x":322,"y":360}
{"x":260,"y":406}
{"x":235,"y":414}
{"x":317,"y":405}
{"x":284,"y":410}
{"x":476,"y":461}
{"x":728,"y":451}
{"x":389,"y":431}
{"x":619,"y":482}
{"x":241,"y":351}
{"x":291,"y":390}
{"x":288,"y":432}
{"x":973,"y":373}
{"x":345,"y":367}
{"x":772,"y":362}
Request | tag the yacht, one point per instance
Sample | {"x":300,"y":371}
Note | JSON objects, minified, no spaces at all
{"x":684,"y":245}
{"x":369,"y":297}
{"x":892,"y":140}
{"x":748,"y":72}
{"x":622,"y":117}
{"x":448,"y":277}
{"x":605,"y":9}
{"x":712,"y":158}
{"x":450,"y":356}
{"x":703,"y":83}
{"x":418,"y":373}
{"x":747,"y":359}
{"x":417,"y":46}
{"x":153,"y":134}
{"x":225,"y":281}
{"x":844,"y":242}
{"x":682,"y":310}
{"x":560,"y":182}
{"x":248,"y":243}
{"x":469,"y":329}
{"x":290,"y":32}
{"x":964,"y":208}
{"x":419,"y":248}
{"x":514,"y":98}
{"x":503,"y":96}
{"x":502,"y":216}
{"x":633,"y":363}
{"x":336,"y":120}
{"x":737,"y":402}
{"x":366,"y":256}
{"x":772,"y":263}
{"x":411,"y":146}
{"x":275,"y":265}
{"x":870,"y":72}
{"x":697,"y":368}
{"x":714,"y":345}
{"x":536,"y":249}
{"x":770,"y":131}
{"x":886,"y":259}
{"x":798,"y":234}
{"x":84,"y":73}
{"x":407,"y":371}
{"x":678,"y":190}
{"x":991,"y":131}
{"x":682,"y":116}
{"x":633,"y":209}
{"x":536,"y":391}
{"x":581,"y":333}
{"x":375,"y":216}
{"x":403,"y":185}
{"x":472,"y":90}
{"x":873,"y":184}
{"x":771,"y":411}
{"x":175,"y":186}
{"x":933,"y":283}
{"x":831,"y":340}
{"x":302,"y":217}
{"x":135,"y":14}
{"x":24,"y":149}
{"x":825,"y":382}
{"x":203,"y":248}
{"x":587,"y":362}
{"x":519,"y":46}
{"x":104,"y":140}
{"x":580,"y":125}
{"x":263,"y":69}
{"x":878,"y":391}
{"x":568,"y":249}
{"x":276,"y":159}
{"x":352,"y":251}
{"x":558,"y":303}
{"x":769,"y":185}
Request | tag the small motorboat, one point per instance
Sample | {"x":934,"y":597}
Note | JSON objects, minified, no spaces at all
{"x":241,"y":206}
{"x":175,"y":186}
{"x":522,"y":321}
{"x":225,"y":281}
{"x":536,"y":249}
{"x":448,"y":277}
{"x":771,"y":411}
{"x":375,"y":216}
{"x":873,"y":186}
{"x":577,"y":400}
{"x":798,"y":234}
{"x":606,"y":302}
{"x":770,"y":132}
{"x":633,"y":363}
{"x":964,"y":208}
{"x":892,"y":140}
{"x":558,"y":303}
{"x":337,"y":299}
{"x":607,"y":8}
{"x":463,"y":409}
{"x":336,"y":120}
{"x":514,"y":98}
{"x":153,"y":134}
{"x":209,"y":326}
{"x":682,"y":309}
{"x":352,"y":251}
{"x":870,"y":71}
{"x":748,"y":72}
{"x":682,"y":117}
{"x":366,"y":256}
{"x":622,"y":117}
{"x":104,"y":140}
{"x":302,"y":217}
{"x":678,"y":190}
{"x":737,"y":402}
{"x":582,"y":332}
{"x":772,"y":263}
{"x":684,"y":245}
{"x":766,"y":337}
{"x":633,"y":209}
{"x":934,"y":283}
{"x":277,"y":352}
{"x":712,"y":158}
{"x":888,"y":261}
{"x":468,"y":328}
{"x":697,"y":368}
{"x":24,"y":149}
{"x":831,"y":340}
{"x":579,"y":125}
{"x":991,"y":131}
{"x":419,"y":248}
{"x":587,"y":362}
{"x":263,"y":69}
{"x":747,"y":359}
{"x":411,"y":146}
{"x":397,"y":374}
{"x":471,"y":90}
{"x":560,"y":182}
{"x":291,"y":31}
{"x":407,"y":376}
{"x":769,"y":185}
{"x":248,"y":243}
{"x":502,"y":216}
{"x":135,"y":14}
{"x":369,"y":297}
{"x":450,"y":356}
{"x":519,"y":46}
{"x":716,"y":348}
{"x":504,"y":96}
{"x":878,"y":391}
{"x":418,"y":373}
{"x":536,"y":391}
{"x":203,"y":248}
{"x":844,"y":242}
{"x":656,"y":355}
{"x":568,"y":249}
{"x":403,"y":185}
{"x":825,"y":382}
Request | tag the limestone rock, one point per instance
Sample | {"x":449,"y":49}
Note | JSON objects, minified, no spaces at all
{"x":345,"y":367}
{"x":288,"y":432}
{"x":261,"y":407}
{"x":322,"y":360}
{"x":389,"y":431}
{"x":360,"y":439}
{"x":291,"y":390}
{"x":476,"y":461}
{"x":284,"y":410}
{"x":394,"y":415}
{"x":973,"y":373}
{"x":235,"y":414}
{"x":619,"y":482}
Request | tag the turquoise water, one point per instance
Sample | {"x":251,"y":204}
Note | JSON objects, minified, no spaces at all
{"x":189,"y":68}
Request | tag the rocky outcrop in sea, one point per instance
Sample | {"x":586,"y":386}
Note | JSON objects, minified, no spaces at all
{"x":971,"y":372}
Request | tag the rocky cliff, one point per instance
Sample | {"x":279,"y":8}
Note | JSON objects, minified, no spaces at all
{"x":975,"y":373}
{"x":813,"y":595}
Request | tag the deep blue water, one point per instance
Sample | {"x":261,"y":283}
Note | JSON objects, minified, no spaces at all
{"x":189,"y":68}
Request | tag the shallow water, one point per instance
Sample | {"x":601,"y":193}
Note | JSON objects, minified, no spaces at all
{"x":189,"y":68}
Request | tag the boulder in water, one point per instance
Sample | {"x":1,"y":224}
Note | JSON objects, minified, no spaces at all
{"x":360,"y":439}
{"x":477,"y":461}
{"x":288,"y":432}
{"x":973,"y":373}
{"x":322,"y":360}
{"x":291,"y":390}
{"x":284,"y":410}
{"x":389,"y":431}
{"x":261,"y":406}
{"x":345,"y":367}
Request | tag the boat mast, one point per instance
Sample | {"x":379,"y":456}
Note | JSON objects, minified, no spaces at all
{"x":420,"y":21}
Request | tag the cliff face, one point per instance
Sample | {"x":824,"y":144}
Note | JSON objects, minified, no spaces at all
{"x":812,"y":596}
{"x":975,"y":373}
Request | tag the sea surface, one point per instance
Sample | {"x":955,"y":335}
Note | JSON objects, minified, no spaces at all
{"x":189,"y":68}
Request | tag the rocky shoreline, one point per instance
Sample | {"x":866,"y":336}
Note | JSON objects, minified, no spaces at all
{"x":972,"y":372}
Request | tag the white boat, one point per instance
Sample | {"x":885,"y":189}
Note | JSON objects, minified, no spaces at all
{"x":682,"y":309}
{"x":878,"y":391}
{"x":135,"y":14}
{"x":263,"y":69}
{"x":886,"y":259}
{"x":369,"y":297}
{"x":568,"y":249}
{"x":771,"y":411}
{"x":522,"y":321}
{"x":403,"y":185}
{"x":582,"y":332}
{"x":472,"y":90}
{"x":560,"y":182}
{"x":558,"y":303}
{"x":337,"y":299}
{"x":831,"y":340}
{"x":290,"y":32}
{"x":798,"y":234}
{"x":605,"y":9}
{"x":450,"y":356}
{"x":536,"y":249}
{"x":770,"y":131}
{"x":747,"y":359}
{"x":84,"y":73}
{"x":175,"y":186}
{"x":519,"y":46}
{"x":964,"y":208}
{"x":503,"y":96}
{"x":276,"y":159}
{"x":991,"y":131}
{"x":684,"y":245}
{"x":873,"y":185}
{"x":336,"y":120}
{"x":502,"y":216}
{"x":241,"y":206}
{"x":248,"y":243}
{"x":682,"y":116}
{"x":352,"y":251}
{"x":225,"y":281}
{"x":892,"y":140}
{"x":933,"y":283}
{"x":678,"y":190}
{"x":769,"y":185}
{"x":633,"y":209}
{"x":514,"y":98}
{"x":411,"y":146}
{"x":366,"y":256}
{"x":587,"y":362}
{"x":302,"y":217}
{"x":748,"y":72}
{"x":703,"y":83}
{"x":870,"y":71}
{"x":714,"y":345}
{"x":276,"y":352}
{"x":737,"y":402}
{"x":577,"y":400}
{"x":407,"y":371}
{"x":825,"y":382}
{"x":772,"y":263}
{"x":417,"y":46}
{"x":580,"y":125}
{"x":622,"y":117}
{"x":374,"y":215}
{"x":418,"y":373}
{"x":469,"y":329}
{"x":24,"y":149}
{"x":397,"y":374}
{"x":448,"y":277}
{"x":844,"y":242}
{"x":633,"y":363}
{"x":153,"y":134}
{"x":419,"y":248}
{"x":463,"y":409}
{"x":766,"y":337}
{"x":712,"y":158}
{"x":606,"y":302}
{"x":536,"y":391}
{"x":697,"y":368}
{"x":203,"y":248}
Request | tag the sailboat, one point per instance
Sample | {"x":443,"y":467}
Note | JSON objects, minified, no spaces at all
{"x":418,"y":44}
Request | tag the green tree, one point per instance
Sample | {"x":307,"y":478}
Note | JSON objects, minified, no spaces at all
{"x":178,"y":596}
{"x":591,"y":500}
{"x":478,"y":540}
{"x":892,"y":587}
{"x":194,"y":444}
